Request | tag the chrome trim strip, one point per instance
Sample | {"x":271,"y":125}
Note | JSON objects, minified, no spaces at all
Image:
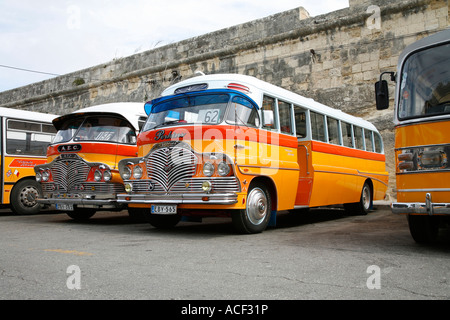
{"x":425,"y":190}
{"x":178,"y":199}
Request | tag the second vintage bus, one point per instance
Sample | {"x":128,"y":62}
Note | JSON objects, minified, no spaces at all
{"x":233,"y":145}
{"x":81,"y":174}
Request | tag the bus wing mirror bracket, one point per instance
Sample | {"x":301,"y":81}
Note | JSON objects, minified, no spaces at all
{"x":382,"y":92}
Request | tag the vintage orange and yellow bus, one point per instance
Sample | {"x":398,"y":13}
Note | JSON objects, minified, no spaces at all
{"x":81,"y":174}
{"x":422,"y":139}
{"x":237,"y":146}
{"x":25,"y":136}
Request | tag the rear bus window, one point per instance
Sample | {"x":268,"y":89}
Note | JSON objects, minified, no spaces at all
{"x":359,"y":142}
{"x":347,"y":134}
{"x":368,"y":139}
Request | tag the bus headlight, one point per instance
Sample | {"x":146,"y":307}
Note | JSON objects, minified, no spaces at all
{"x":223,"y":169}
{"x":208,"y":169}
{"x":45,"y":175}
{"x":38,"y":177}
{"x":126,"y":173}
{"x":137,"y":172}
{"x":107,"y":175}
{"x":97,"y":175}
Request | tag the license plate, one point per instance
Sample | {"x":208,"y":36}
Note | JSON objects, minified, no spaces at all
{"x":64,"y":206}
{"x":164,"y":208}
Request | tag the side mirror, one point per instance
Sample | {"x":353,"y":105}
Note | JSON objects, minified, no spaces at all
{"x":382,"y":95}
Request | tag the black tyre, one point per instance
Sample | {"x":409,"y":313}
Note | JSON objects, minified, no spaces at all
{"x":81,"y":214}
{"x":423,"y":229}
{"x":163,"y":221}
{"x":24,"y":195}
{"x":365,"y":202}
{"x":255,"y":217}
{"x":138,"y":214}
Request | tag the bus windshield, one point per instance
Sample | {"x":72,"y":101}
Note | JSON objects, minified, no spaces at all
{"x":108,"y":129}
{"x":425,"y":84}
{"x":208,"y":109}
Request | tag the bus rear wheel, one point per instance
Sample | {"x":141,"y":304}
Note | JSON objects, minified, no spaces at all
{"x":255,"y":217}
{"x":23,"y":197}
{"x":365,"y":202}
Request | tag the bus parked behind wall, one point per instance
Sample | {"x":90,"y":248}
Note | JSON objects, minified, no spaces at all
{"x":24,"y":137}
{"x":422,"y":139}
{"x":81,"y":174}
{"x":233,"y":145}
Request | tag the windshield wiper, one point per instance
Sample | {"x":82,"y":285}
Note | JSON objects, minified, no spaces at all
{"x":165,"y":124}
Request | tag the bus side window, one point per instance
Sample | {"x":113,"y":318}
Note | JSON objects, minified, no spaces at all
{"x":359,"y":142}
{"x":318,"y":126}
{"x":368,"y":138}
{"x":346,"y":129}
{"x":333,"y":131}
{"x":300,"y":122}
{"x":378,"y":142}
{"x":268,"y":114}
{"x":284,"y":109}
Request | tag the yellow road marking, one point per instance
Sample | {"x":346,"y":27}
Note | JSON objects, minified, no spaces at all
{"x":75,"y":252}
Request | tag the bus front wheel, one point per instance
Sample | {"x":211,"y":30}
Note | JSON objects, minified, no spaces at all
{"x":81,"y":214}
{"x":255,"y":217}
{"x":423,"y":229}
{"x":23,"y":197}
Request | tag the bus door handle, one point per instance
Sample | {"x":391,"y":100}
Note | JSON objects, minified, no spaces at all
{"x":307,"y":157}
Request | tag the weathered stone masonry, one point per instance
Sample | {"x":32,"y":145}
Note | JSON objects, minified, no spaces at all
{"x":334,"y":58}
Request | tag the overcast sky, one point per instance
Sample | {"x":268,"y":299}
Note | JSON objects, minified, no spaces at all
{"x":59,"y":37}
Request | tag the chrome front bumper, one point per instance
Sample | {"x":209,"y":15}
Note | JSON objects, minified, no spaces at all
{"x":428,"y":207}
{"x":186,"y":198}
{"x":81,"y":202}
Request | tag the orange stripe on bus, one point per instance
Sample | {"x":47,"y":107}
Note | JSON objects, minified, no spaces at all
{"x":345,"y":151}
{"x":216,"y":133}
{"x":100,"y":148}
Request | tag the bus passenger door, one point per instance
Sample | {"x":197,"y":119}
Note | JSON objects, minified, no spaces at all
{"x":305,"y":177}
{"x":303,"y":157}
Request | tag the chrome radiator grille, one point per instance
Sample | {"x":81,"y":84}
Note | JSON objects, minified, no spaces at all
{"x":67,"y":173}
{"x":168,"y":166}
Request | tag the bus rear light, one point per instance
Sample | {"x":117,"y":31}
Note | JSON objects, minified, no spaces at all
{"x":237,"y":86}
{"x":432,"y":159}
{"x":405,"y":156}
{"x":406,"y":165}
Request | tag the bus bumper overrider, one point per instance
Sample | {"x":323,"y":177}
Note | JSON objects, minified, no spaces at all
{"x":427,"y":207}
